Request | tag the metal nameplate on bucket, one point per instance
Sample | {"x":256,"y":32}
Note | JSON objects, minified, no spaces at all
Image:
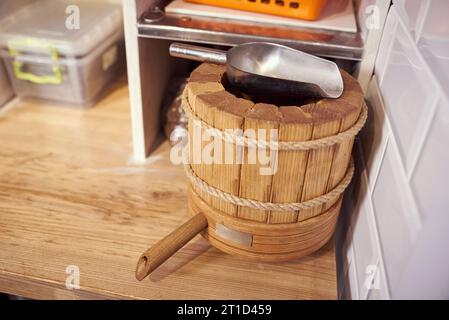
{"x":239,"y":237}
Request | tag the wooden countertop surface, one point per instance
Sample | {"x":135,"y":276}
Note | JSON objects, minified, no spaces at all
{"x":70,"y":195}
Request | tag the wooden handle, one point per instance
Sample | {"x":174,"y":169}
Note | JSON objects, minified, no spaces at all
{"x":165,"y":248}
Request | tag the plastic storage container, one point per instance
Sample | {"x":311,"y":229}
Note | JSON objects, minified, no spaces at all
{"x":63,"y":50}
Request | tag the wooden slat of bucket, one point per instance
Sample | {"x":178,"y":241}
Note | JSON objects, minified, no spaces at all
{"x":229,"y":115}
{"x":207,"y":72}
{"x":343,"y":150}
{"x":195,"y":146}
{"x":319,"y":162}
{"x":194,"y":89}
{"x":204,"y":109}
{"x":295,"y":125}
{"x":254,"y":185}
{"x":205,"y":79}
{"x":341,"y":111}
{"x":349,"y":105}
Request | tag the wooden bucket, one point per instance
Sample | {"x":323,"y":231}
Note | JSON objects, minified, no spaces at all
{"x":266,"y":180}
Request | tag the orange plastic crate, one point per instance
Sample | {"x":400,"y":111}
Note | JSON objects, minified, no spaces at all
{"x":300,"y":9}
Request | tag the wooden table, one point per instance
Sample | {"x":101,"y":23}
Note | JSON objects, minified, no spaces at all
{"x":71,"y":196}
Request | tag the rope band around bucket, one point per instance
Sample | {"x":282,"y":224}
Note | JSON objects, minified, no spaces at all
{"x":276,"y":145}
{"x":255,"y":204}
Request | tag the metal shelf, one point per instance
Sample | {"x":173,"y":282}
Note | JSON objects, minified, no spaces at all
{"x":333,"y":44}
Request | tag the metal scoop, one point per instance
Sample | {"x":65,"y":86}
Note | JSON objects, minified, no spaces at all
{"x":270,"y":69}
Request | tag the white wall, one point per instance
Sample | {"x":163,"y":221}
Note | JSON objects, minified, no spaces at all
{"x":400,"y":219}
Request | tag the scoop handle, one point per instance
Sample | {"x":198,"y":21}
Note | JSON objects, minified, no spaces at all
{"x":165,"y":248}
{"x":196,"y":53}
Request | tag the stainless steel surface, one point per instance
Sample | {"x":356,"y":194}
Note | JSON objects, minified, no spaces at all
{"x":153,"y":15}
{"x":331,"y":44}
{"x":271,"y":69}
{"x":197,"y":53}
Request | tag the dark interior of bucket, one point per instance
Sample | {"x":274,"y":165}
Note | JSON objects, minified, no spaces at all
{"x":270,"y":99}
{"x":277,"y":100}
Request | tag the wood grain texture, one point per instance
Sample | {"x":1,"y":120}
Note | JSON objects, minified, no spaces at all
{"x":287,"y":185}
{"x":296,"y":176}
{"x":349,"y":106}
{"x":168,"y":246}
{"x":261,"y":119}
{"x":205,"y":153}
{"x":270,"y":242}
{"x":208,"y":72}
{"x":229,"y":115}
{"x":205,"y":79}
{"x":319,"y":162}
{"x":69,"y":195}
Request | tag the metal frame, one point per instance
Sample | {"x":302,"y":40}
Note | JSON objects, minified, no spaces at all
{"x":333,"y":44}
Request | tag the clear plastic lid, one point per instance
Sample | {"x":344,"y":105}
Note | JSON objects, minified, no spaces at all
{"x":71,"y":27}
